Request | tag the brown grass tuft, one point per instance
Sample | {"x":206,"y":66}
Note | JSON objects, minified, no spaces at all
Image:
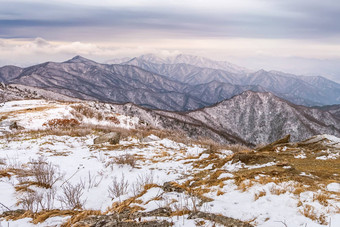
{"x":259,"y":195}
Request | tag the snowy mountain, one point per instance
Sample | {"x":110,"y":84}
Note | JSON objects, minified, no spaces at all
{"x":250,"y":118}
{"x":301,"y":90}
{"x":84,"y":79}
{"x":8,"y":73}
{"x":54,"y":173}
{"x":178,"y":83}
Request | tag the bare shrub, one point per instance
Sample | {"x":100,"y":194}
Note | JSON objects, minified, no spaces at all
{"x":49,"y":198}
{"x":45,"y":173}
{"x":81,"y":111}
{"x":118,"y":188}
{"x":31,"y":201}
{"x":141,"y":181}
{"x":92,"y":181}
{"x":126,"y":159}
{"x":71,"y":197}
{"x":113,"y":119}
{"x":62,"y":123}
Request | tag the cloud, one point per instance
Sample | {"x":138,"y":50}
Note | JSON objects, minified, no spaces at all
{"x":190,"y":19}
{"x":106,"y":29}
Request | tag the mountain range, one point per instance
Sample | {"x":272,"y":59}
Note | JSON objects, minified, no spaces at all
{"x":198,"y":96}
{"x":178,"y":83}
{"x":193,"y":70}
{"x":249,"y":118}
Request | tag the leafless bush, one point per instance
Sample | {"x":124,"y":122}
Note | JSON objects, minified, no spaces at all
{"x":49,"y":198}
{"x":44,"y":173}
{"x":62,"y":123}
{"x":118,"y":188}
{"x":92,"y":181}
{"x":141,"y":181}
{"x":126,"y":159}
{"x":71,"y":197}
{"x":31,"y":201}
{"x":81,"y":111}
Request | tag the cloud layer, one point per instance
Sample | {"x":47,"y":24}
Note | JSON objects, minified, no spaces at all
{"x":254,"y":30}
{"x":306,"y":19}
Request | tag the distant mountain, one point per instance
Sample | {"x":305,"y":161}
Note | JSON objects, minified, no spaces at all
{"x":302,"y":90}
{"x":334,"y":109}
{"x":178,"y":83}
{"x":85,"y":79}
{"x":249,"y":118}
{"x":197,"y":61}
{"x":185,"y":73}
{"x":9,"y":72}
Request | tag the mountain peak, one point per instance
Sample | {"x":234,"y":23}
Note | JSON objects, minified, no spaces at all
{"x":79,"y":59}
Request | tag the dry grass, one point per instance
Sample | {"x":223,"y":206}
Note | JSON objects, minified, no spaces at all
{"x":322,"y":198}
{"x":80,"y":216}
{"x":277,"y":190}
{"x":219,"y":192}
{"x":309,"y":212}
{"x":245,"y":185}
{"x":126,"y":159}
{"x":259,"y":194}
{"x":181,"y":212}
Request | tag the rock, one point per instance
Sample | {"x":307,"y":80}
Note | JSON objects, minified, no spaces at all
{"x":252,"y":158}
{"x":160,"y":212}
{"x":14,"y":125}
{"x":273,"y":145}
{"x":13,"y":213}
{"x":124,"y":219}
{"x":150,"y":138}
{"x":220,"y":219}
{"x":112,"y":138}
{"x":172,"y":187}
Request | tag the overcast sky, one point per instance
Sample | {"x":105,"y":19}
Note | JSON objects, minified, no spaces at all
{"x":297,"y":36}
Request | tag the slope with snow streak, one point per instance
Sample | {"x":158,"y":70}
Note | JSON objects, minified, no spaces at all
{"x":32,"y":114}
{"x":265,"y":188}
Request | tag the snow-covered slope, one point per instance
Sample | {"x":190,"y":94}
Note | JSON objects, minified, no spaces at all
{"x":150,"y":178}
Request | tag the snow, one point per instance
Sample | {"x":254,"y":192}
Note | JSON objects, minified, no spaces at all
{"x":158,"y":160}
{"x":333,"y":187}
{"x":329,"y":154}
{"x":330,"y":139}
{"x":32,"y":114}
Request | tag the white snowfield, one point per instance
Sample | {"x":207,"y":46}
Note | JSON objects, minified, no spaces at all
{"x":79,"y":162}
{"x":32,"y":114}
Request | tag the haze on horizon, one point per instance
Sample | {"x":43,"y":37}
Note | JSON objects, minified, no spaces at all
{"x":301,"y":37}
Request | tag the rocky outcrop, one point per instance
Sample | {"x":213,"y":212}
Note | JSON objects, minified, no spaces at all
{"x":112,"y":138}
{"x":272,"y":146}
{"x":219,"y":219}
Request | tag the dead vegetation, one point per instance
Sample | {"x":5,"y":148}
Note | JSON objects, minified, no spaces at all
{"x":72,"y":196}
{"x":126,"y":159}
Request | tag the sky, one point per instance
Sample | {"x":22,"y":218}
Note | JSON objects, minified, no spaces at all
{"x":301,"y":37}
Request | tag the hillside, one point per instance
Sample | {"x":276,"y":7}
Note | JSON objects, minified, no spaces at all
{"x":53,"y":173}
{"x":250,"y":118}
